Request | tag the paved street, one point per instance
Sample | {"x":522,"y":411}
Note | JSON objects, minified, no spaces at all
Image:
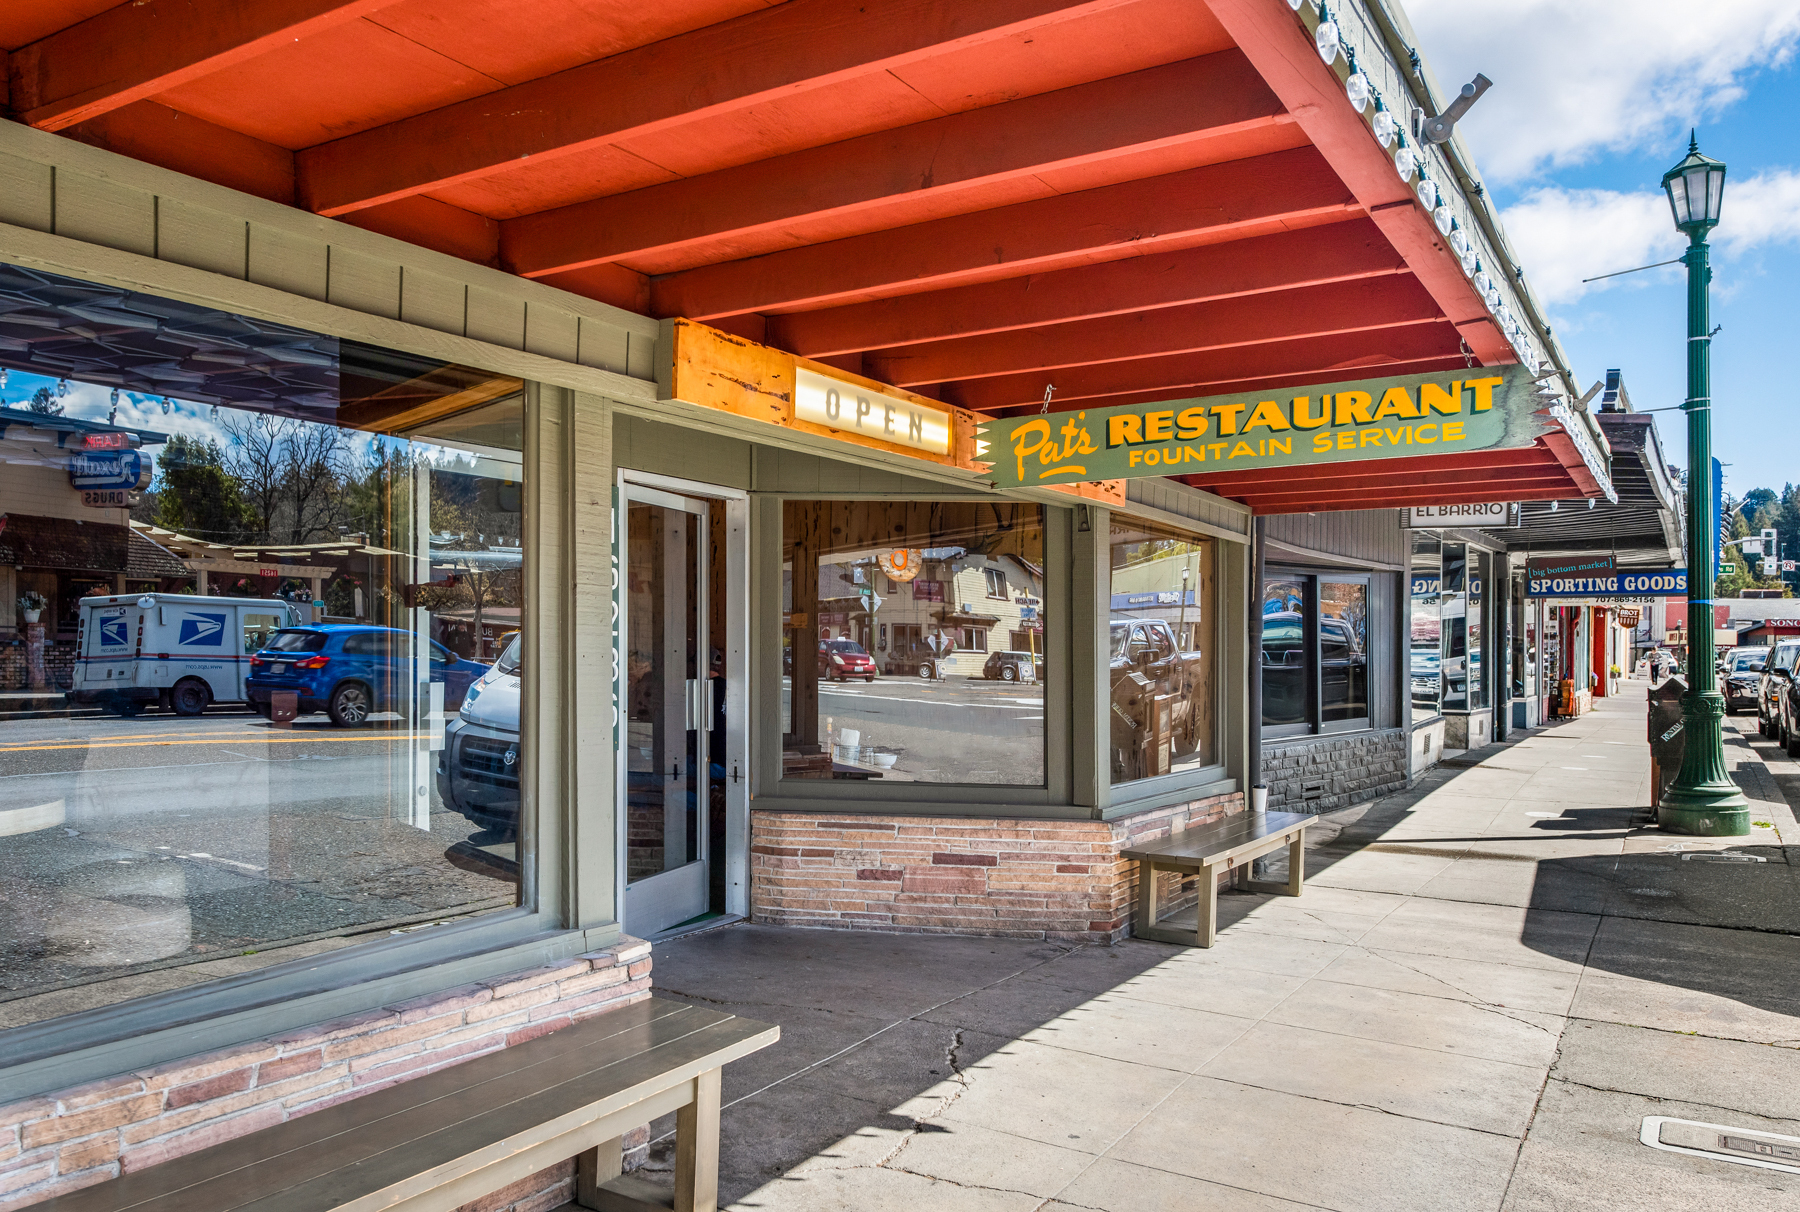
{"x":1491,"y":981}
{"x":147,"y":845}
{"x":955,"y":730}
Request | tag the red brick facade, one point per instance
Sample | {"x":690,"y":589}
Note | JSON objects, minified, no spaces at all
{"x":1055,"y":879}
{"x":76,"y":1137}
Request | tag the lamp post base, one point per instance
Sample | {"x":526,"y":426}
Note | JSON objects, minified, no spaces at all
{"x":1709,"y":810}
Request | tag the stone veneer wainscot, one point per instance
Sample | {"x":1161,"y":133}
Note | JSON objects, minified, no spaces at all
{"x":1049,"y":879}
{"x":86,"y":1134}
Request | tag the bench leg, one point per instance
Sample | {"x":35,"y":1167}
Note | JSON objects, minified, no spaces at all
{"x":594,"y":1168}
{"x":697,"y":1148}
{"x":1206,"y":912}
{"x":1146,"y":900}
{"x":1297,"y":864}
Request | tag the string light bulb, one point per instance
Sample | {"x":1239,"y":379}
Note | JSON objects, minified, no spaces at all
{"x":1387,"y":128}
{"x":1357,"y":88}
{"x":1406,"y":162}
{"x":1327,"y":38}
{"x":1443,"y":218}
{"x":62,"y":388}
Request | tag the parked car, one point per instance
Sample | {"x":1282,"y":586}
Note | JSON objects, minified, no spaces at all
{"x":1009,"y":666}
{"x":478,"y":767}
{"x":1146,"y":665}
{"x":1778,"y":671}
{"x":841,"y":659}
{"x":350,"y":671}
{"x":1742,"y":676}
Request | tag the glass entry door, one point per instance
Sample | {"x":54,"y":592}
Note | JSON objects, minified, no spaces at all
{"x":669,"y":702}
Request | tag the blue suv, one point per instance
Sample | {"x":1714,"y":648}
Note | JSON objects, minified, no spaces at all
{"x":350,"y":671}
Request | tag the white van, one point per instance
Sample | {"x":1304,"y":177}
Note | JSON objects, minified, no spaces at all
{"x":175,"y":649}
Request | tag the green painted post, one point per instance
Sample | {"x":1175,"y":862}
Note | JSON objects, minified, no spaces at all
{"x":1702,"y":800}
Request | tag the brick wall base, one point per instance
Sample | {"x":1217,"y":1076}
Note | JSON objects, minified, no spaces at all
{"x":1322,"y":774}
{"x":98,"y":1130}
{"x":1048,"y":879}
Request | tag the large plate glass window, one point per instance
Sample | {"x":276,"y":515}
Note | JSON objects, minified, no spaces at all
{"x":262,"y":590}
{"x":1163,"y":638}
{"x":1425,"y":651}
{"x":1455,"y":612}
{"x":1315,"y":652}
{"x":913,"y":641}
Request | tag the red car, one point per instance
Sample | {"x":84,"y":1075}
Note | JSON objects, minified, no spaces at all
{"x":841,"y":659}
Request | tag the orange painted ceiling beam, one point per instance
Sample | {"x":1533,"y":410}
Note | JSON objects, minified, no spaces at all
{"x":1377,"y":497}
{"x":1339,"y":252}
{"x":1260,"y":386}
{"x":1183,"y":375}
{"x":779,"y":52}
{"x":762,"y":205}
{"x":1312,"y":311}
{"x":1283,"y":52}
{"x":1214,"y":204}
{"x":143,"y":47}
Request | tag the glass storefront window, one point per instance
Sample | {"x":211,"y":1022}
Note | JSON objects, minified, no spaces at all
{"x":1315,"y":652}
{"x":1425,"y":630}
{"x":1162,"y":637}
{"x":1284,"y":652}
{"x":1343,"y":650}
{"x":1478,"y":580}
{"x":949,"y":696}
{"x":1455,"y":614}
{"x":272,"y":590}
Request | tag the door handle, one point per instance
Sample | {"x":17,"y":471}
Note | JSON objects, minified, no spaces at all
{"x":734,"y":772}
{"x":674,"y":772}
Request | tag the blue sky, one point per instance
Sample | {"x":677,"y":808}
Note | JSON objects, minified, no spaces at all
{"x":1591,"y":105}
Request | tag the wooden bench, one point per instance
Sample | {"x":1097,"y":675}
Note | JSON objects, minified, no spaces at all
{"x":1231,"y":844}
{"x":439,"y":1141}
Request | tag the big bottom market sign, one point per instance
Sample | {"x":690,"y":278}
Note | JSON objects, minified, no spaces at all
{"x":1408,"y":416}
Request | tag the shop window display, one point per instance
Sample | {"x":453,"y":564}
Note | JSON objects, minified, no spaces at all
{"x":1162,"y":635}
{"x":279,"y":577}
{"x":940,"y":700}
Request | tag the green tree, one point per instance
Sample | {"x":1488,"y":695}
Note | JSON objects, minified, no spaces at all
{"x":44,"y":403}
{"x":196,"y":496}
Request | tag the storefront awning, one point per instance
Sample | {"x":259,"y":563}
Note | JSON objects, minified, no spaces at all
{"x":1049,"y":206}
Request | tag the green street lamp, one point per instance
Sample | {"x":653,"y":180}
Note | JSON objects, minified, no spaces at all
{"x":1702,"y":800}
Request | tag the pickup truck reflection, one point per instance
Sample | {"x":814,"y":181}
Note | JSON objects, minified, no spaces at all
{"x":1147,"y":665}
{"x":1343,"y":669}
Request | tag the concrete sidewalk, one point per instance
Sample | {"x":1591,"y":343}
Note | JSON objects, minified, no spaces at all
{"x":1491,"y":980}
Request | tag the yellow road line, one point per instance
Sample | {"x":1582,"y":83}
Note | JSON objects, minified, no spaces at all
{"x":284,"y":739}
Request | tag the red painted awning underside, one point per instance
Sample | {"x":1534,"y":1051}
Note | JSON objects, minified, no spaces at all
{"x":974,"y":199}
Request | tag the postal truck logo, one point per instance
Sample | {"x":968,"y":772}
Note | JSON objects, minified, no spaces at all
{"x":203,"y":630}
{"x":114,"y":633}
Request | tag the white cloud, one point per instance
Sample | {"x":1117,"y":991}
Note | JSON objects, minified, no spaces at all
{"x":1565,"y":235}
{"x":1573,"y":78}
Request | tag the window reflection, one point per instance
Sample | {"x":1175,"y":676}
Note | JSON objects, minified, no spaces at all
{"x":1284,"y":650}
{"x":261,"y":578}
{"x":1343,"y":650}
{"x":1425,"y":653}
{"x":1162,"y":637}
{"x":913,"y":641}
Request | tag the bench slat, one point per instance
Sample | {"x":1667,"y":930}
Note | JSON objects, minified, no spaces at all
{"x":1209,"y":841}
{"x":181,"y":1173}
{"x":609,"y":1055}
{"x":430,"y":1160}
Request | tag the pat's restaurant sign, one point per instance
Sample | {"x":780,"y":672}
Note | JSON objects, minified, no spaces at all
{"x":1406,"y":416}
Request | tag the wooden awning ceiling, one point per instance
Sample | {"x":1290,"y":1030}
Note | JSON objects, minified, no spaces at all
{"x":978,"y":200}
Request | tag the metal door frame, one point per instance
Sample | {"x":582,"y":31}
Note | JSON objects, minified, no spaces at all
{"x":672,"y":492}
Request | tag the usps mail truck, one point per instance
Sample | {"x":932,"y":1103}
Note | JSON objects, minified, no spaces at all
{"x":171,"y":649}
